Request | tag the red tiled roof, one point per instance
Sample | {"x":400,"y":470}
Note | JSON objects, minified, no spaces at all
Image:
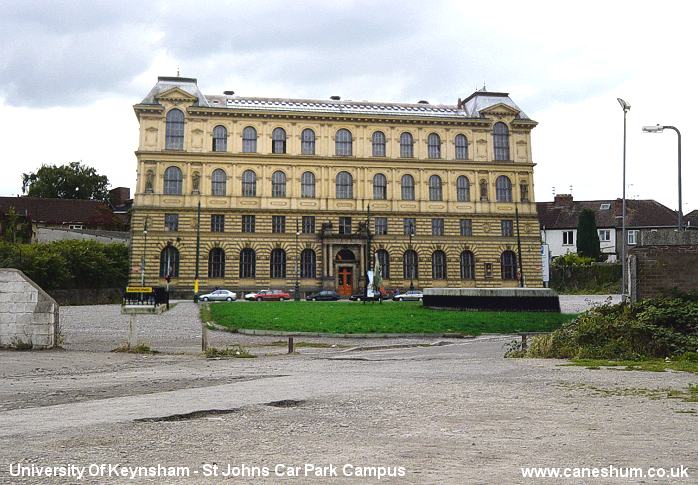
{"x":91,"y":213}
{"x":564,"y":212}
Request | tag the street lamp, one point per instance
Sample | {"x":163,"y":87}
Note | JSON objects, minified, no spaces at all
{"x":659,"y":129}
{"x":626,"y":108}
{"x":411,"y":234}
{"x":145,"y":242}
{"x":296,"y":289}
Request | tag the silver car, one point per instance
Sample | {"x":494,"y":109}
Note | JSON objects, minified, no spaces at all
{"x":412,"y":295}
{"x":219,"y":295}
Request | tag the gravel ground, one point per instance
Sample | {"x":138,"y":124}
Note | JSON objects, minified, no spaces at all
{"x":455,"y":413}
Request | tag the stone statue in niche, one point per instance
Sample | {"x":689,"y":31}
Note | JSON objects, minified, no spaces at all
{"x":483,"y":190}
{"x":195,"y":180}
{"x":149,"y":176}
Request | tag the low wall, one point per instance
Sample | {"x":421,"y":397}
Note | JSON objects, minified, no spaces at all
{"x":87,"y":296}
{"x":28,"y":315}
{"x":493,"y":299}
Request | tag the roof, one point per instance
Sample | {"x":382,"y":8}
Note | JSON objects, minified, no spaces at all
{"x":472,"y":107}
{"x":564,"y":212}
{"x":691,"y":219}
{"x":61,"y":211}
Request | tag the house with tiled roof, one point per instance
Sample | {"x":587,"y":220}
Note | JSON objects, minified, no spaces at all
{"x":52,"y":219}
{"x":558,"y":222}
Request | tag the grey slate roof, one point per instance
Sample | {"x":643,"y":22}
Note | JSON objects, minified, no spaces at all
{"x":470,"y":108}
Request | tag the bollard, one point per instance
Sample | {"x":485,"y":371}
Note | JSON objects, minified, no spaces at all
{"x":204,"y":337}
{"x":132,"y":333}
{"x":290,"y":345}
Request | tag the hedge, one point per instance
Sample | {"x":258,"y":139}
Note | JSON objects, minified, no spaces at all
{"x":69,"y":264}
{"x":595,"y":277}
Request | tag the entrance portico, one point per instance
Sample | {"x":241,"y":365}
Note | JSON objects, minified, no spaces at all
{"x":344,"y":267}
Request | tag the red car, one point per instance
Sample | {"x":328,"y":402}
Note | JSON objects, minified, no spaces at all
{"x":265,"y":295}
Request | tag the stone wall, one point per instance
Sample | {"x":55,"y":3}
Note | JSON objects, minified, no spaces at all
{"x":664,"y":260}
{"x":88,"y":296}
{"x":28,"y":315}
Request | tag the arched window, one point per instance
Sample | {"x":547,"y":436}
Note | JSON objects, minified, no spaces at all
{"x":278,"y":263}
{"x":249,"y":140}
{"x":308,"y":185}
{"x":169,"y":262}
{"x":461,"y":147}
{"x":407,"y":187}
{"x":220,"y":139}
{"x":503,"y":186}
{"x":174,"y":130}
{"x":409,"y":265}
{"x":406,"y":145}
{"x":508,"y":265}
{"x":501,"y":142}
{"x":384,"y":261}
{"x":483,"y":190}
{"x":218,"y":182}
{"x":278,"y":184}
{"x":438,"y":265}
{"x":467,"y":265}
{"x":434,"y":145}
{"x":308,"y":142}
{"x":343,"y":143}
{"x":248,"y":263}
{"x":344,"y":185}
{"x":435,"y":192}
{"x":278,"y":140}
{"x":463,"y":189}
{"x":249,"y":183}
{"x":380,"y":187}
{"x":378,"y":144}
{"x":308,"y":260}
{"x":173,"y":181}
{"x":216,"y":263}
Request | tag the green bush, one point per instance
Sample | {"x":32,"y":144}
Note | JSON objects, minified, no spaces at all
{"x":592,"y":278}
{"x":69,"y":264}
{"x":660,"y":327}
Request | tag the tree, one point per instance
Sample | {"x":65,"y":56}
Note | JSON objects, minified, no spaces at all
{"x":588,"y":243}
{"x":72,"y":181}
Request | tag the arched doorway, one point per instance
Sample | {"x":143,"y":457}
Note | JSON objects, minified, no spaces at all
{"x":345,"y":261}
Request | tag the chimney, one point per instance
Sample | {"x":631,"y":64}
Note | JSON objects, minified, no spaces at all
{"x":563,"y":200}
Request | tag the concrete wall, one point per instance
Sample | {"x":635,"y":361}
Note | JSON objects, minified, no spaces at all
{"x":28,"y":315}
{"x":663,"y":260}
{"x":49,"y":234}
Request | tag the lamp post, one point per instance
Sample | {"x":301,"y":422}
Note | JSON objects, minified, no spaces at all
{"x":411,"y":268}
{"x":198,"y":246}
{"x":626,"y":108}
{"x":296,"y":288}
{"x":659,"y":129}
{"x":518,"y":245}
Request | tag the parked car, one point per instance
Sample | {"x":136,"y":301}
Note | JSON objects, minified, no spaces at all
{"x":264,"y":295}
{"x":410,"y":295}
{"x":373,"y":296}
{"x":326,"y":295}
{"x":219,"y":295}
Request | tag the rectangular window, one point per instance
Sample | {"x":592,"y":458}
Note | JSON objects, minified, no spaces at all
{"x":437,"y":226}
{"x":466,"y":227}
{"x":410,"y":226}
{"x":171,"y":222}
{"x":567,"y":238}
{"x":345,"y":225}
{"x":308,"y":224}
{"x":604,"y":235}
{"x":247,"y":223}
{"x":632,"y":237}
{"x":278,"y":224}
{"x":381,"y":226}
{"x":507,"y":228}
{"x":217,"y":223}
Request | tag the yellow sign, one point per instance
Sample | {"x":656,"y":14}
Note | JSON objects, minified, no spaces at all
{"x":139,"y":289}
{"x":196,"y":286}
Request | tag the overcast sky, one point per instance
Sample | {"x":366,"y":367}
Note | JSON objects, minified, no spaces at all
{"x":70,"y":72}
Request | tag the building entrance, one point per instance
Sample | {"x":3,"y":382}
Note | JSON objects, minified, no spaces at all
{"x":345,"y":280}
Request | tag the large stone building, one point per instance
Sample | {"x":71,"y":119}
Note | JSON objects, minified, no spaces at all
{"x":289,"y":189}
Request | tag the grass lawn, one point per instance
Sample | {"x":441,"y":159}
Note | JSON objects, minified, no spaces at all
{"x":390,"y":317}
{"x":650,"y":365}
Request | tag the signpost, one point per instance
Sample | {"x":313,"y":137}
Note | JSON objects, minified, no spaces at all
{"x":545,"y":260}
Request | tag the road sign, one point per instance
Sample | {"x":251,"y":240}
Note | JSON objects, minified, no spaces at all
{"x":139,"y":289}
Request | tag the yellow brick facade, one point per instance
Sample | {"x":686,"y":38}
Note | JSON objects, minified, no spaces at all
{"x":197,"y":161}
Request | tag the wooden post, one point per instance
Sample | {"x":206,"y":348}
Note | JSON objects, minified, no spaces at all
{"x":132,"y":332}
{"x":290,"y":345}
{"x":524,"y":341}
{"x":204,"y":337}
